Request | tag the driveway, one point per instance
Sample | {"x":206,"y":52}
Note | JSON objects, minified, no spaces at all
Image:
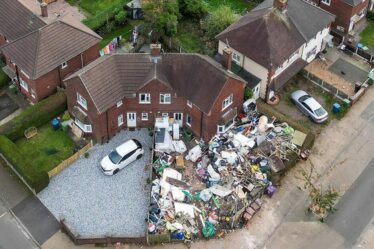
{"x":96,"y":205}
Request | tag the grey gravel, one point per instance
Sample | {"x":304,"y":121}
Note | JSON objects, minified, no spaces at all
{"x":96,"y":205}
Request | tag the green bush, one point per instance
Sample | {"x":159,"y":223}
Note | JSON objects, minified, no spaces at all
{"x":370,"y":15}
{"x":36,"y":178}
{"x":248,"y":93}
{"x":120,"y":18}
{"x":4,"y":79}
{"x":35,"y":116}
{"x":103,"y":17}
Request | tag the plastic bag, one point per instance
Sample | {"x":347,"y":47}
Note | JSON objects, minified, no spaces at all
{"x":208,"y":230}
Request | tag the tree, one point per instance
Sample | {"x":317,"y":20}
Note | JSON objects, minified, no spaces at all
{"x":220,"y":19}
{"x":193,"y":8}
{"x":120,"y":17}
{"x":321,"y":201}
{"x":162,"y":16}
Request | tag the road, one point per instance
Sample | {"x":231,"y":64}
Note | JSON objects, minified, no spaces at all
{"x":12,"y":234}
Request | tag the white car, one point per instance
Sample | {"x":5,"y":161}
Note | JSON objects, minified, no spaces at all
{"x":122,"y":156}
{"x":309,"y":106}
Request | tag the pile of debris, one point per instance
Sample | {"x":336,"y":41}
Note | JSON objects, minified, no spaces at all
{"x":217,"y":187}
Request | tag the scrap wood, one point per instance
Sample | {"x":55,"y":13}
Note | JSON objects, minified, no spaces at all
{"x":177,"y":183}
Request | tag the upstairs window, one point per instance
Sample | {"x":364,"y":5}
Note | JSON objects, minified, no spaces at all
{"x":119,"y":103}
{"x":189,"y":103}
{"x":82,"y":101}
{"x":165,"y":98}
{"x":189,"y":120}
{"x":144,"y":98}
{"x":227,"y":102}
{"x":236,"y":58}
{"x":327,"y":2}
{"x":64,"y":65}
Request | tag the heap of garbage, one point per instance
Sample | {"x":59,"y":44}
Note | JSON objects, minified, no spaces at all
{"x":217,"y":187}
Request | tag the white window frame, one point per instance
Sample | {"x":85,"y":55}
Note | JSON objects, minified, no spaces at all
{"x":327,"y":2}
{"x":188,"y":123}
{"x":189,"y":103}
{"x":24,"y":85}
{"x":64,"y":65}
{"x":33,"y":94}
{"x":220,"y":129}
{"x":81,"y":101}
{"x":147,"y":97}
{"x":120,"y":120}
{"x":227,"y":101}
{"x":85,"y":128}
{"x":145,"y":116}
{"x":119,"y":103}
{"x":163,"y":97}
{"x":236,"y":58}
{"x":165,"y":115}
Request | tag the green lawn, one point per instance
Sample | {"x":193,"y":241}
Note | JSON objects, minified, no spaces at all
{"x":124,"y":31}
{"x":240,"y":6}
{"x":47,"y":149}
{"x":94,"y":6}
{"x":367,"y":36}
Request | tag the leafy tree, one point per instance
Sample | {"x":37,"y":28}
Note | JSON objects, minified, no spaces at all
{"x":193,"y":8}
{"x":120,"y":17}
{"x":220,"y":19}
{"x":162,"y":16}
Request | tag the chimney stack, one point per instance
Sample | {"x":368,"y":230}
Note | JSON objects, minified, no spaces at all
{"x":281,"y":5}
{"x":44,"y":9}
{"x":155,"y":52}
{"x":226,"y":58}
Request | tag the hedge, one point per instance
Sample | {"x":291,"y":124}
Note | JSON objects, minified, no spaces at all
{"x":370,"y":15}
{"x":35,"y":116}
{"x":99,"y":20}
{"x":4,"y":79}
{"x":36,"y":178}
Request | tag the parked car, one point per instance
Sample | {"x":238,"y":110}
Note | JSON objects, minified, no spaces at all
{"x":309,"y":106}
{"x":122,"y":156}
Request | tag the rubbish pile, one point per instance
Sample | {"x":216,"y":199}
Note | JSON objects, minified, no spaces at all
{"x":216,"y":187}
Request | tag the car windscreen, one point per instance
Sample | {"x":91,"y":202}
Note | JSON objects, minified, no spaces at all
{"x":320,"y":112}
{"x":114,"y":157}
{"x":303,"y":98}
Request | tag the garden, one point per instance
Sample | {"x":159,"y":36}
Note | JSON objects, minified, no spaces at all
{"x":35,"y":156}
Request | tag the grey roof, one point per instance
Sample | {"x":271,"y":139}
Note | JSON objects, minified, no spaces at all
{"x":16,"y":20}
{"x":269,"y":36}
{"x":194,"y":77}
{"x":43,"y":50}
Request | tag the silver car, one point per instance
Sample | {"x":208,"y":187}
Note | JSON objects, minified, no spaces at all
{"x":309,"y":106}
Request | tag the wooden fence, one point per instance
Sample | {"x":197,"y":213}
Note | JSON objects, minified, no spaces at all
{"x":70,"y":160}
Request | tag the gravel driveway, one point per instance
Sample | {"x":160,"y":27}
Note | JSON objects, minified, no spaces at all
{"x":96,"y":205}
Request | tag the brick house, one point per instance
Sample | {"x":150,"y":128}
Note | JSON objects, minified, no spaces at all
{"x":16,"y":20}
{"x":131,"y":90}
{"x":274,"y":41}
{"x":38,"y":61}
{"x":348,"y":13}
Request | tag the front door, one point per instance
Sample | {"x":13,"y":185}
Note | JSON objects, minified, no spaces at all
{"x":131,"y":119}
{"x":178,"y":117}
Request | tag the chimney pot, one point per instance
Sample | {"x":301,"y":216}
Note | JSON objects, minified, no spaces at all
{"x":44,"y":9}
{"x":226,"y":58}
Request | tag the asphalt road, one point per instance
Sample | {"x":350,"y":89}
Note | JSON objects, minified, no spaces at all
{"x":12,"y":234}
{"x":355,"y":208}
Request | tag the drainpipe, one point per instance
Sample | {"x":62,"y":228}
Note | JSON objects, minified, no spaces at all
{"x":82,"y":64}
{"x":107,"y":125}
{"x":59,"y":75}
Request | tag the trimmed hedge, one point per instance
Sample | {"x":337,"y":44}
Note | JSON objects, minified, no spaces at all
{"x":35,"y":116}
{"x":37,"y":179}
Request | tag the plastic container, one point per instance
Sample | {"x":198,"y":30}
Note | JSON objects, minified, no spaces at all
{"x":336,"y":108}
{"x":55,"y":124}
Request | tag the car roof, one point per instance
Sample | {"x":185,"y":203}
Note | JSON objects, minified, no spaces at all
{"x":126,"y":147}
{"x":312,"y":103}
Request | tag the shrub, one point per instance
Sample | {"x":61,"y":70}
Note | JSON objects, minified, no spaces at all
{"x":370,"y":15}
{"x":35,"y":116}
{"x":120,"y":18}
{"x":220,"y":19}
{"x":4,"y":79}
{"x":36,"y":178}
{"x":248,"y":93}
{"x":103,"y":17}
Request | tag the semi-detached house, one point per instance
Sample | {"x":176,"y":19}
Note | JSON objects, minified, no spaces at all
{"x":131,"y":90}
{"x":273,"y":42}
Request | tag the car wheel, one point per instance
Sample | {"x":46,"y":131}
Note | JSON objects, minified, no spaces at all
{"x":139,"y":156}
{"x":293,"y":101}
{"x":310,"y":118}
{"x":115,"y":171}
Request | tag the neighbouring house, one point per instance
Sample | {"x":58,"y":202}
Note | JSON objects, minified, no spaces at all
{"x":16,"y":21}
{"x":38,"y":61}
{"x":273,"y":42}
{"x":131,"y":90}
{"x":349,"y":13}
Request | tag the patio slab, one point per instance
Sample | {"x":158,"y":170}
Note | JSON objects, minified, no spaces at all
{"x":348,"y":71}
{"x":95,"y":205}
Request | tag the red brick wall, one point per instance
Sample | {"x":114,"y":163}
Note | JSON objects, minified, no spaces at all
{"x":91,"y":54}
{"x":2,"y":42}
{"x":342,"y":11}
{"x":108,"y":121}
